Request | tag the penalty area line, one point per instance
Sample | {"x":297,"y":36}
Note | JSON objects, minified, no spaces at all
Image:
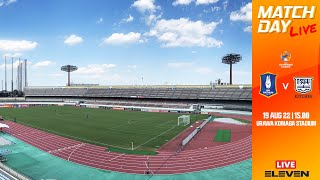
{"x":165,"y":123}
{"x":155,"y":137}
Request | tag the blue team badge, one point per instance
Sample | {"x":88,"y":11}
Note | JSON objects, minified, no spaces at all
{"x":268,"y":86}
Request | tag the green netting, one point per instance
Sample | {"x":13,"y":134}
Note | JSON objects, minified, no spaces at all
{"x":38,"y":164}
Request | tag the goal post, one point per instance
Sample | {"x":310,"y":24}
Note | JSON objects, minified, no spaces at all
{"x":183,"y":120}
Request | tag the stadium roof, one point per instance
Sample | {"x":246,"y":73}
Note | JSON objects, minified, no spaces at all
{"x":150,"y":86}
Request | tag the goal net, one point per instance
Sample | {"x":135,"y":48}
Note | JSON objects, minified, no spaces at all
{"x":183,"y":120}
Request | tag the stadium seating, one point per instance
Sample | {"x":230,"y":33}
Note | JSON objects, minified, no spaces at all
{"x":154,"y":93}
{"x":135,"y":103}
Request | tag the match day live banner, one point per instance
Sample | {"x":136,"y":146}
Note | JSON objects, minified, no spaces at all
{"x":286,"y":97}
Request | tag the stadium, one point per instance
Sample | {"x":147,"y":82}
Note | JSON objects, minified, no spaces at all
{"x":152,"y":131}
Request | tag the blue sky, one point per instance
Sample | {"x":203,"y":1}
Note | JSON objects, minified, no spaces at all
{"x":119,"y":42}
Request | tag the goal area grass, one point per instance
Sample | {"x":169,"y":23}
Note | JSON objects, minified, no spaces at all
{"x":144,"y":131}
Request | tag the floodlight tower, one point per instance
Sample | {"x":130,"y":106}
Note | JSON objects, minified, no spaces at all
{"x":69,"y":69}
{"x":231,"y":59}
{"x":5,"y":73}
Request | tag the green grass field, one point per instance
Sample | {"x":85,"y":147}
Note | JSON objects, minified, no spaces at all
{"x":148,"y":131}
{"x":222,"y":136}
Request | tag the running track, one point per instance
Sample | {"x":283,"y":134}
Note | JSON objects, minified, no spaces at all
{"x":163,"y":163}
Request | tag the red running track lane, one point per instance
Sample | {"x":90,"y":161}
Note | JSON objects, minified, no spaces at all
{"x":166,"y":162}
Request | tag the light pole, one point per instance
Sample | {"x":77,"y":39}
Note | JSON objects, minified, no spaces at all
{"x":231,"y":59}
{"x":69,"y":69}
{"x":131,"y":145}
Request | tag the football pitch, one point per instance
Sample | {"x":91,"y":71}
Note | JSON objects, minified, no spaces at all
{"x":147,"y":131}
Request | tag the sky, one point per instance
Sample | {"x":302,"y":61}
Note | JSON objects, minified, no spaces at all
{"x":127,"y":42}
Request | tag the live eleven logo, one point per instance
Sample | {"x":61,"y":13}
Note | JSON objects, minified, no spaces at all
{"x":286,"y":169}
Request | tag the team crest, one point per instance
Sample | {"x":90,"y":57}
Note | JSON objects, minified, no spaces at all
{"x":303,"y":85}
{"x":268,"y":85}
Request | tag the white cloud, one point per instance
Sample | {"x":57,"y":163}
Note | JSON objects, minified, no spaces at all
{"x":100,"y":20}
{"x":144,"y":5}
{"x":198,"y":2}
{"x":7,"y":2}
{"x":17,"y":45}
{"x":56,"y":75}
{"x":215,"y":9}
{"x":73,"y":40}
{"x":244,"y":14}
{"x":148,"y":10}
{"x":10,"y":55}
{"x":129,"y":19}
{"x":225,"y":4}
{"x":185,"y":33}
{"x":194,"y":52}
{"x":132,"y":66}
{"x":181,"y":2}
{"x":203,"y":70}
{"x":212,"y":9}
{"x":152,"y":18}
{"x":10,"y":2}
{"x":102,"y":79}
{"x":43,"y":64}
{"x":248,"y":29}
{"x":120,"y":38}
{"x":15,"y":64}
{"x":95,"y":69}
{"x":180,"y":64}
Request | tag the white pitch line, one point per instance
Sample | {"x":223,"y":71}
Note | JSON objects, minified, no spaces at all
{"x":148,"y":167}
{"x":164,"y":123}
{"x":125,"y":124}
{"x":154,"y":137}
{"x":116,"y":157}
{"x":75,"y":150}
{"x":64,"y":148}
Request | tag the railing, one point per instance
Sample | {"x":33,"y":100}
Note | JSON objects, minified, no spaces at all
{"x":14,"y":172}
{"x":195,"y":132}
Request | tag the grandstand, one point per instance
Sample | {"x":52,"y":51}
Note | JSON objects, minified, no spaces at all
{"x":229,"y":97}
{"x":161,"y":93}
